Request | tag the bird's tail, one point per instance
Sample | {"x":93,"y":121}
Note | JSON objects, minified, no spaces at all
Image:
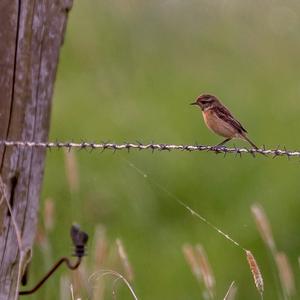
{"x":251,"y":143}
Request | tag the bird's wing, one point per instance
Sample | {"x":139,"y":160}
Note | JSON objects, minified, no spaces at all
{"x":224,"y":114}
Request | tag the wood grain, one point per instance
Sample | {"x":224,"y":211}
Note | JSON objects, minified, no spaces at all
{"x":31,"y":34}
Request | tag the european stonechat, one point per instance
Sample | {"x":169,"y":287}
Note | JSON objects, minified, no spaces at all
{"x":219,"y":119}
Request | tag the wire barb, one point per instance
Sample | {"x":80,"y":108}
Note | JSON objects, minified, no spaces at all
{"x":84,"y":145}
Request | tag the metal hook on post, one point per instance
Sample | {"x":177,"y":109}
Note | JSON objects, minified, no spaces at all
{"x":79,"y":239}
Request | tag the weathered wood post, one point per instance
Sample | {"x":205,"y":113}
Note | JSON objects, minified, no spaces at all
{"x":31,"y":33}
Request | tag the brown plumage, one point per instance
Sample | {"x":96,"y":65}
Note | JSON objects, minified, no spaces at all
{"x":220,"y":120}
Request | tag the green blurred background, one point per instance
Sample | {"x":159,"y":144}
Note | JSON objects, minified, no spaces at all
{"x":128,"y":70}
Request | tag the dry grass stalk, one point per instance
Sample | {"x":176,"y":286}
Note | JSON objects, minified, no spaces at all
{"x":125,"y":261}
{"x":71,"y":169}
{"x":285,"y":274}
{"x":231,"y":292}
{"x":72,"y":293}
{"x":258,"y":279}
{"x":190,"y":257}
{"x":64,"y":286}
{"x":96,"y":276}
{"x":100,"y":251}
{"x":263,"y":226}
{"x":49,"y":214}
{"x":200,"y":267}
{"x":79,"y":282}
{"x":100,"y":255}
{"x":4,"y":197}
{"x":206,"y":270}
{"x":44,"y":244}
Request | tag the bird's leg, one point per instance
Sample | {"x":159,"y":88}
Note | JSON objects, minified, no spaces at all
{"x":224,"y":142}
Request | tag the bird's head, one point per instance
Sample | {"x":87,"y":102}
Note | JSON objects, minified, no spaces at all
{"x":206,"y":101}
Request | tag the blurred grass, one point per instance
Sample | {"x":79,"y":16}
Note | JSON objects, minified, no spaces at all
{"x":128,"y":70}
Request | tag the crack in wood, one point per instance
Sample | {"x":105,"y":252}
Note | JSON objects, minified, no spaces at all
{"x":13,"y":182}
{"x":15,"y":66}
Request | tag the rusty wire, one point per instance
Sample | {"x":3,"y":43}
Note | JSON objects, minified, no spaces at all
{"x":150,"y":146}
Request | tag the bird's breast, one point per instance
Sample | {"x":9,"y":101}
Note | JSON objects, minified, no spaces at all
{"x":217,"y":125}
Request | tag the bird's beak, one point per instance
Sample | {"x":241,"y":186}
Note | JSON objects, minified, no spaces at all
{"x":193,"y":103}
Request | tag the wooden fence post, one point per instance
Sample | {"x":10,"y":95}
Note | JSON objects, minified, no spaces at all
{"x":31,"y":33}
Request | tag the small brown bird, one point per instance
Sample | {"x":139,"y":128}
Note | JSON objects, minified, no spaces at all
{"x":219,"y":119}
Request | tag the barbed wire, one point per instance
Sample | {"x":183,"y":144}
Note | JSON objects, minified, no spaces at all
{"x":150,"y":146}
